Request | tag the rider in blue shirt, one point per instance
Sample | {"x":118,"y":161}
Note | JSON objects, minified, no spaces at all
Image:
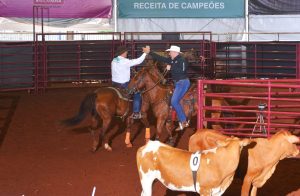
{"x":178,"y":66}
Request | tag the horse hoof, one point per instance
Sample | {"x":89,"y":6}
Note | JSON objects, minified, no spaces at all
{"x":95,"y":146}
{"x":107,"y":147}
{"x":93,"y":149}
{"x":129,"y":145}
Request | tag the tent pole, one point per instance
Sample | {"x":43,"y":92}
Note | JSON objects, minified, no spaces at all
{"x":115,"y":16}
{"x":247,"y":20}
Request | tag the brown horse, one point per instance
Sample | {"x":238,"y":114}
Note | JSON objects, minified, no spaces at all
{"x":103,"y":104}
{"x":106,"y":103}
{"x":157,"y":97}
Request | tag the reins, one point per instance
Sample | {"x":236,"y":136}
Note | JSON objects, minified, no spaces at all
{"x":161,"y":78}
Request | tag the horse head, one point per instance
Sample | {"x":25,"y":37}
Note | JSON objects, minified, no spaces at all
{"x":148,"y":77}
{"x":157,"y":75}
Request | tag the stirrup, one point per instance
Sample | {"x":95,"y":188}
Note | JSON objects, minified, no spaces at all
{"x":136,"y":115}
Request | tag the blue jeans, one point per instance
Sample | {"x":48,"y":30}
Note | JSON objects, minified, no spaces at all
{"x":137,"y":98}
{"x":181,"y":88}
{"x":137,"y":102}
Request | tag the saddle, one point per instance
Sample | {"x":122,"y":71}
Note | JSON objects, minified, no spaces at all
{"x":188,"y":99}
{"x":122,"y":93}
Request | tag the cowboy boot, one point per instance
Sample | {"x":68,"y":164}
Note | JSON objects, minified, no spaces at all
{"x":182,"y":125}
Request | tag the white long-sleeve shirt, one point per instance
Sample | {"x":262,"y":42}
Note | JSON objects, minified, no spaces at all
{"x":120,"y":68}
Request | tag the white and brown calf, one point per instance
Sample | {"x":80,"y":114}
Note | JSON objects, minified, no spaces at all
{"x":171,"y":166}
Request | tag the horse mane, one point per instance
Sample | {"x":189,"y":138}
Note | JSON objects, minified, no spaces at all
{"x":160,"y":77}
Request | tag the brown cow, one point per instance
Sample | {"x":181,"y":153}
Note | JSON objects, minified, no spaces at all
{"x":262,"y":159}
{"x":171,"y":166}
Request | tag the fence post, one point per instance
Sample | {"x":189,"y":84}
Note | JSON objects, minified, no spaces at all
{"x":200,"y":105}
{"x":298,"y":61}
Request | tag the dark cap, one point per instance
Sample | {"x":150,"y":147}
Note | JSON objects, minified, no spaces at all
{"x":120,"y":50}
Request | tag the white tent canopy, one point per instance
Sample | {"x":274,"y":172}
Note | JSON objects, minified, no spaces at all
{"x":258,"y":27}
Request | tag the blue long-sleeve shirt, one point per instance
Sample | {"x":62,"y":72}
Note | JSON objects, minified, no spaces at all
{"x":178,"y":65}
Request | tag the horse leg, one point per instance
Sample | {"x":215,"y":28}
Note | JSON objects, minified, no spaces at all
{"x":105,"y":127}
{"x":93,"y":130}
{"x":159,"y":127}
{"x":147,"y":125}
{"x":169,"y":127}
{"x":129,"y":123}
{"x":144,"y":109}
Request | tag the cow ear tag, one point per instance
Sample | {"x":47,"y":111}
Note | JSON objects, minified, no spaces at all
{"x":194,"y":165}
{"x":195,"y":161}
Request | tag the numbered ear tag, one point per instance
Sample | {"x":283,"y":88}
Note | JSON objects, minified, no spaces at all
{"x":195,"y":161}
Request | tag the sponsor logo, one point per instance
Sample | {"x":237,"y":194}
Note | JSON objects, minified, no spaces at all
{"x":48,"y":1}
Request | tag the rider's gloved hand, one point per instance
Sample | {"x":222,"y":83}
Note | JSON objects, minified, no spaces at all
{"x":146,"y":49}
{"x":168,"y":67}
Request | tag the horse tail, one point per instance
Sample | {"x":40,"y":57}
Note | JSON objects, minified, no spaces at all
{"x":87,"y":106}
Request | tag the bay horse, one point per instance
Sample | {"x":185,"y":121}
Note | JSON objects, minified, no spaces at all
{"x":161,"y":102}
{"x":157,"y":96}
{"x":103,"y":104}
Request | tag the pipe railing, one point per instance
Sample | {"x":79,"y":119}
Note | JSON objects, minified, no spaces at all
{"x":280,"y":98}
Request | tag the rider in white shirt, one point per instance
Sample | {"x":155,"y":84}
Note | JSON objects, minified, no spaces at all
{"x":120,"y":71}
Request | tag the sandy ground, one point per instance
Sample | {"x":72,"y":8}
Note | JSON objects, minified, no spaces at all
{"x":37,"y":157}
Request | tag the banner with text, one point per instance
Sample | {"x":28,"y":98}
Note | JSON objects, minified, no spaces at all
{"x":57,"y":8}
{"x":181,"y":9}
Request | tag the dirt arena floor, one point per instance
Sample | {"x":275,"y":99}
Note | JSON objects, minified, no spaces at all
{"x":37,"y":157}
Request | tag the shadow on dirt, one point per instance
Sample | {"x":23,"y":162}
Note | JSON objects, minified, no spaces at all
{"x":8,"y":105}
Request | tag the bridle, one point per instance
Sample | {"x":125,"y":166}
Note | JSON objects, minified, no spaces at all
{"x":141,"y":79}
{"x":162,"y":77}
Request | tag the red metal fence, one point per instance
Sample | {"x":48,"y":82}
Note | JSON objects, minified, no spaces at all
{"x":249,"y":107}
{"x":86,"y":57}
{"x":256,"y":60}
{"x":73,"y":61}
{"x":16,"y":66}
